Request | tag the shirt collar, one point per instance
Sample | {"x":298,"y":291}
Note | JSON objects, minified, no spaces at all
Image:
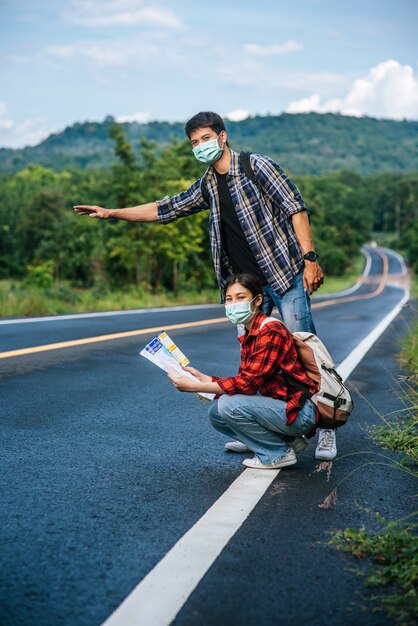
{"x":255,"y":326}
{"x":234,"y":168}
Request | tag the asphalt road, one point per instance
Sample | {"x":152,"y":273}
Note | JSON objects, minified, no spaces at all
{"x":106,"y":466}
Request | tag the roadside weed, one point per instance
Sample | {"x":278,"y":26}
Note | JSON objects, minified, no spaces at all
{"x":392,"y":550}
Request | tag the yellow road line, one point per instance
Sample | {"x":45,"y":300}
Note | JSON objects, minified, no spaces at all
{"x":217,"y":320}
{"x":366,"y":296}
{"x":129,"y":333}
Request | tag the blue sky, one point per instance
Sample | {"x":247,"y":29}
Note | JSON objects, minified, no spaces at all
{"x":64,"y":61}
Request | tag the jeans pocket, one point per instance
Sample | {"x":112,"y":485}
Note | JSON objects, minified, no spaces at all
{"x":300,"y":308}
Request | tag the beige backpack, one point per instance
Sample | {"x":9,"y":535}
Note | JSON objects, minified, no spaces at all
{"x":333,"y":400}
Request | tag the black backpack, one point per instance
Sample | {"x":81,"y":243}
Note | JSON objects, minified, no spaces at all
{"x":244,"y":159}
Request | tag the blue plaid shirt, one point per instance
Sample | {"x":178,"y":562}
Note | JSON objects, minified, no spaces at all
{"x":264,"y":214}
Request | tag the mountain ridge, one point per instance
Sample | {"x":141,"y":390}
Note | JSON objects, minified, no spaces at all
{"x":302,"y":143}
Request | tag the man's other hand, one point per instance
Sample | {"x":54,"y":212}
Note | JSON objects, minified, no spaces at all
{"x":93,"y":211}
{"x":313,"y":276}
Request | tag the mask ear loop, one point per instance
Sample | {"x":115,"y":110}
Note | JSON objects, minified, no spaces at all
{"x":223,"y":143}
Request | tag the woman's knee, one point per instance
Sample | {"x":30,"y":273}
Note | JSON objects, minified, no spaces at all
{"x":224,"y":406}
{"x":230,"y":407}
{"x":214,"y":416}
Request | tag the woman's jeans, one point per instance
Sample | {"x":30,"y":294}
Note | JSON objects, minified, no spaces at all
{"x":260,"y":423}
{"x":294,"y":306}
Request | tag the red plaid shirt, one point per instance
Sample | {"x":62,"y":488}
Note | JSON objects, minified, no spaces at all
{"x":264,"y":353}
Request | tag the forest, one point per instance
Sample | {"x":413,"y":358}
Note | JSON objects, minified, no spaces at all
{"x":311,"y":143}
{"x":44,"y":243}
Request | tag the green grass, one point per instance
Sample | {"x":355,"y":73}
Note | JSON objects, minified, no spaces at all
{"x":333,"y":284}
{"x":399,"y":432}
{"x":18,"y":300}
{"x":392,"y":551}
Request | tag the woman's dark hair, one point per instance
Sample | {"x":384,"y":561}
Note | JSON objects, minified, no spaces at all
{"x":205,"y":119}
{"x":249,"y":281}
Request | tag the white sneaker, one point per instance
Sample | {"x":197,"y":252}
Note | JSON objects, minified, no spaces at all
{"x":299,"y":444}
{"x":287,"y":459}
{"x":326,"y":450}
{"x":236,"y":446}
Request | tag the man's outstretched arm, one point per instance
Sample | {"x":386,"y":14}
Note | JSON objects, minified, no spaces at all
{"x":141,"y":213}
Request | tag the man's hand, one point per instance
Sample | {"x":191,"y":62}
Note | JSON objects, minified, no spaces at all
{"x":313,"y":276}
{"x":93,"y":211}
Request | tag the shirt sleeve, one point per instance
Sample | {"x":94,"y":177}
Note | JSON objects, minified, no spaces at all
{"x":264,"y":363}
{"x":277,"y":185}
{"x":183,"y":204}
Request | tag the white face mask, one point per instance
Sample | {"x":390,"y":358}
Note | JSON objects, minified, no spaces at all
{"x":209,"y":151}
{"x":240,"y":312}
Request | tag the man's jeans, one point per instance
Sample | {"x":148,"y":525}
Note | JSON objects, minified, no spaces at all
{"x":294,"y":306}
{"x":260,"y":423}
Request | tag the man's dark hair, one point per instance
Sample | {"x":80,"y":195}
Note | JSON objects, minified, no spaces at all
{"x":205,"y":119}
{"x":249,"y":281}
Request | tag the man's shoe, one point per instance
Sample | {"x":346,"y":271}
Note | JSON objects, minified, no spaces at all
{"x":299,"y":444}
{"x":287,"y":459}
{"x":236,"y":446}
{"x":326,"y":450}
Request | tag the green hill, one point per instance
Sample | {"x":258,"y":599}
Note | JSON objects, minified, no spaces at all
{"x":302,"y":144}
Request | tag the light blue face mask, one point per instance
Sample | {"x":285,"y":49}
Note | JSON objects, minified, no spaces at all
{"x":209,"y":151}
{"x":240,"y":312}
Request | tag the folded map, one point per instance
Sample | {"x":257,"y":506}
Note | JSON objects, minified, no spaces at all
{"x":164,"y":353}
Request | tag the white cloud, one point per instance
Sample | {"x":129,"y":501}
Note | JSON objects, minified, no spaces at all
{"x":238,"y":68}
{"x":28,"y":132}
{"x":273,"y":49}
{"x":142,"y":117}
{"x":121,"y":13}
{"x":152,"y":51}
{"x":107,"y":54}
{"x":237,"y":115}
{"x":389,"y":90}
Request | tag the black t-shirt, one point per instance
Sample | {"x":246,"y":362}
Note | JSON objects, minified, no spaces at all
{"x":234,"y":243}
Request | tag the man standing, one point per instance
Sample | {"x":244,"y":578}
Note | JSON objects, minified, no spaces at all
{"x":258,"y":224}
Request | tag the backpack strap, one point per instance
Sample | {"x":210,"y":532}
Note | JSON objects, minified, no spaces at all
{"x":290,"y":381}
{"x":245,"y":162}
{"x":250,"y":174}
{"x":205,"y":191}
{"x":270,"y":319}
{"x":244,"y":159}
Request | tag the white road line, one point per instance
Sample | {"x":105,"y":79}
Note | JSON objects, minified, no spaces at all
{"x":350,"y":363}
{"x":161,"y":594}
{"x":356,"y":286}
{"x":76,"y":316}
{"x":158,"y":598}
{"x":364,"y":275}
{"x":404,"y":271}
